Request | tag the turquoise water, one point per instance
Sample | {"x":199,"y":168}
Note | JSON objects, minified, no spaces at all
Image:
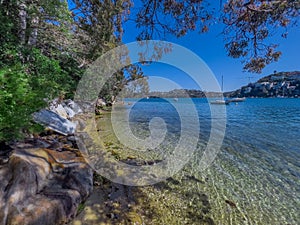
{"x":255,"y":178}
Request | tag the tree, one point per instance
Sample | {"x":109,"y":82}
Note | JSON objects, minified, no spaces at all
{"x":46,"y":45}
{"x":35,"y":61}
{"x":98,"y":25}
{"x":175,"y":17}
{"x":248,"y":24}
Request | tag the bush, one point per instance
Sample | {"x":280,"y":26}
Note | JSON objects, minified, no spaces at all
{"x":23,"y":90}
{"x":18,"y":102}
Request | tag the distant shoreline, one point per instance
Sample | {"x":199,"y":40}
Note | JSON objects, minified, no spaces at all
{"x":209,"y":97}
{"x":276,"y":85}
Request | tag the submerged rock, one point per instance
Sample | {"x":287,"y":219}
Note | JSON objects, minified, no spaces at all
{"x":231,"y":203}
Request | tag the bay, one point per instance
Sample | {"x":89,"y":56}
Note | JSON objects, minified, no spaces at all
{"x":255,"y":178}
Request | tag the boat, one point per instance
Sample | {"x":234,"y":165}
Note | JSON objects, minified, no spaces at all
{"x":237,"y":99}
{"x":220,"y":102}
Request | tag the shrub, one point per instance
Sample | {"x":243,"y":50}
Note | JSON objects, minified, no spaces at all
{"x":18,"y":102}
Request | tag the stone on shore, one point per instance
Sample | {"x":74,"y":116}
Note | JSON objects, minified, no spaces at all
{"x":44,"y":179}
{"x":60,"y":110}
{"x":74,"y":106}
{"x":43,"y":186}
{"x":54,"y":122}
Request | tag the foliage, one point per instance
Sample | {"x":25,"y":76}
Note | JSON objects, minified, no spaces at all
{"x":172,"y":16}
{"x":98,"y":25}
{"x":45,"y":46}
{"x":18,"y":102}
{"x":46,"y":75}
{"x":250,"y":24}
{"x":36,"y":61}
{"x":137,"y":88}
{"x":24,"y":89}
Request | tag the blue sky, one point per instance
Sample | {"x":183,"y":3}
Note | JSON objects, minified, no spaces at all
{"x":210,"y":48}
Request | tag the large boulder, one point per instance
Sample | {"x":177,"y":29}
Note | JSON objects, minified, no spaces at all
{"x":43,"y":186}
{"x":44,"y":179}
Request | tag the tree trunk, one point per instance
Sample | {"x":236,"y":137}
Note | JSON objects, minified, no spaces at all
{"x":23,"y":22}
{"x":34,"y":33}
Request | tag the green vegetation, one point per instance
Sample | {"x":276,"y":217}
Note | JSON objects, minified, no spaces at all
{"x":31,"y":71}
{"x":45,"y":46}
{"x":80,"y":208}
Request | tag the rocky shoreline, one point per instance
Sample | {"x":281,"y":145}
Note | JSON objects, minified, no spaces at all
{"x":47,"y":180}
{"x":43,"y":181}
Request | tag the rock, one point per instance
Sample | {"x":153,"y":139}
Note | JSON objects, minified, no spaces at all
{"x":69,"y":111}
{"x":33,"y":143}
{"x":72,"y":138}
{"x":86,"y":107}
{"x":60,"y":110}
{"x":100,"y":102}
{"x":54,"y":122}
{"x":80,"y":123}
{"x":56,"y":106}
{"x":74,"y":106}
{"x":43,"y":186}
{"x":66,"y":109}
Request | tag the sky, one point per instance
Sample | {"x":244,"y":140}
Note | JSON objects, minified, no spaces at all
{"x":210,"y":48}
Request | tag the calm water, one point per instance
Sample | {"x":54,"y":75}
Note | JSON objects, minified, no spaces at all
{"x":255,"y":178}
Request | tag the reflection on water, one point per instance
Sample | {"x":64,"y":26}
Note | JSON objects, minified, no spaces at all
{"x":255,"y":179}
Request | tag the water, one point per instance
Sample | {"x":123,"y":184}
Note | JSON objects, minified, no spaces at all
{"x":255,"y":178}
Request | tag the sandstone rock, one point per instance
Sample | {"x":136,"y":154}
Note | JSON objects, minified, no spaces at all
{"x":87,"y":107}
{"x":43,"y":186}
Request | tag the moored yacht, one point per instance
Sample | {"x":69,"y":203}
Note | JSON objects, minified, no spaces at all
{"x":220,"y":102}
{"x":237,"y":99}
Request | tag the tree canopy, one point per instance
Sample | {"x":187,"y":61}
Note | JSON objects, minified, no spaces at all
{"x":248,"y":24}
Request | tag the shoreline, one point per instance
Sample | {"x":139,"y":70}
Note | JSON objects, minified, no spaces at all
{"x":162,"y":203}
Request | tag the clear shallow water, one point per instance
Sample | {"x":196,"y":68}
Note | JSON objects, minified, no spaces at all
{"x":255,"y":178}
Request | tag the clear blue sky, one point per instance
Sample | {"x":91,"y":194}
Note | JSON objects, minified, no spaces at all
{"x":210,"y":47}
